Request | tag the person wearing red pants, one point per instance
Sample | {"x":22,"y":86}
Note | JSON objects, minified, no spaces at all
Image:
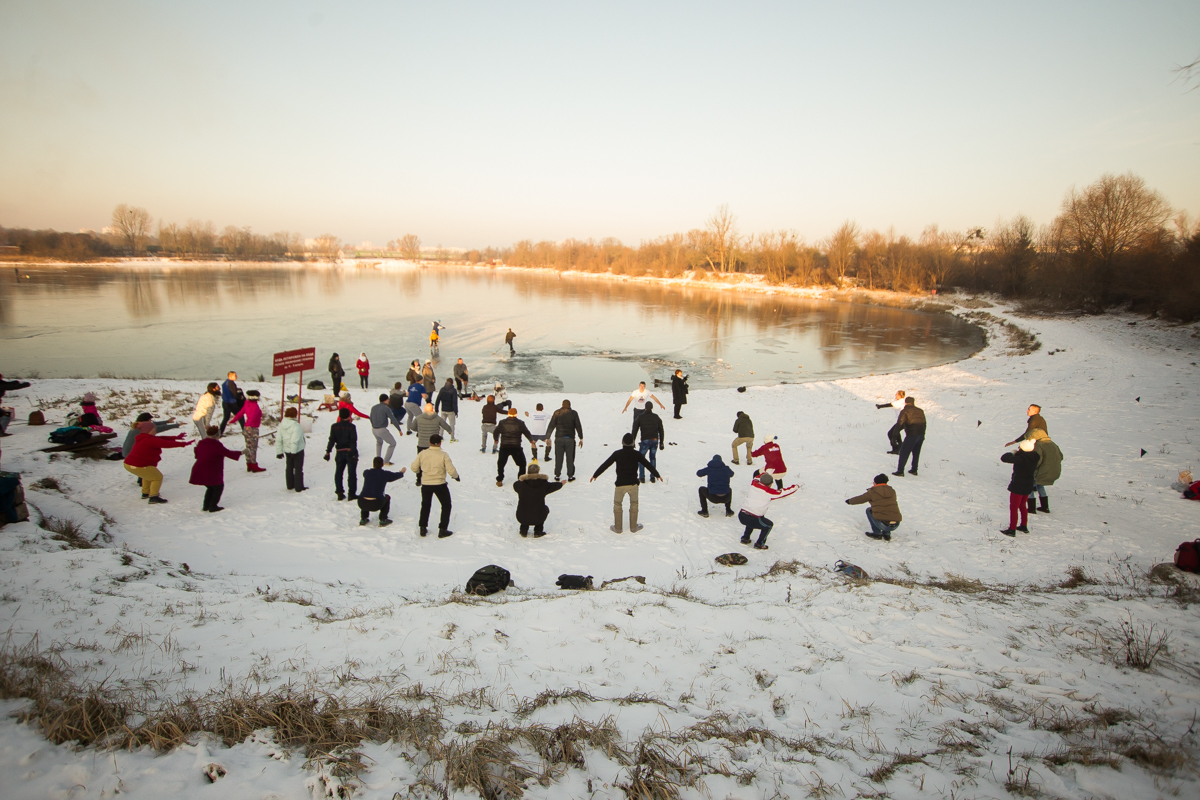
{"x":1024,"y":462}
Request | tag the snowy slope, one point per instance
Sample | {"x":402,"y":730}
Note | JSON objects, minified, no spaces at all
{"x":285,"y":589}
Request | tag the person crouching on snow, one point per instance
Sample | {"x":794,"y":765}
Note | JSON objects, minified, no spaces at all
{"x":209,"y":469}
{"x":250,"y":416}
{"x":143,"y":459}
{"x":717,"y":488}
{"x":373,"y":496}
{"x":1025,"y":462}
{"x":884,"y":513}
{"x":754,"y":508}
{"x":531,"y":489}
{"x":770,"y":452}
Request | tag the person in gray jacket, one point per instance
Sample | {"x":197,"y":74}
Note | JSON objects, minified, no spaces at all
{"x":160,"y":425}
{"x":381,"y":417}
{"x":428,"y":423}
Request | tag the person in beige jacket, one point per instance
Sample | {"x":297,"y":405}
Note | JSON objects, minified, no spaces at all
{"x":884,"y":513}
{"x":205,"y":407}
{"x":432,"y":467}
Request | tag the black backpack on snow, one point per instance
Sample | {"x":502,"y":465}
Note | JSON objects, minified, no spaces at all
{"x":489,"y":580}
{"x":574,"y":582}
{"x":72,"y":434}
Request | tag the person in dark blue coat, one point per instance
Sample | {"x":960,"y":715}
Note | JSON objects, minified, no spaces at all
{"x":374,"y":496}
{"x":717,"y":488}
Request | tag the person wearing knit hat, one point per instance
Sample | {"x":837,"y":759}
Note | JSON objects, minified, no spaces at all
{"x":90,"y":415}
{"x":1024,"y":462}
{"x":771,"y":453}
{"x":884,"y":513}
{"x":531,"y":489}
{"x":250,"y":418}
{"x":134,"y":429}
{"x":143,"y":459}
{"x":508,"y":434}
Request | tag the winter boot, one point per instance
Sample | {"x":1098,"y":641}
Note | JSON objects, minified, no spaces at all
{"x":1045,"y":505}
{"x":254,"y":467}
{"x":1032,"y":506}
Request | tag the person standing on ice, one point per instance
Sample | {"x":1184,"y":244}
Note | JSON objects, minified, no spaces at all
{"x":564,"y":425}
{"x":627,"y":460}
{"x":229,"y":400}
{"x":336,"y":373}
{"x":462,"y":379}
{"x":381,"y":417}
{"x":289,"y":444}
{"x":446,"y":405}
{"x":432,"y":467}
{"x":428,"y":378}
{"x":209,"y":469}
{"x":770,"y":452}
{"x":912,"y":421}
{"x":743,"y":427}
{"x":649,"y":429}
{"x":508,"y":433}
{"x":344,"y":437}
{"x":884,"y":514}
{"x":508,"y":340}
{"x":488,"y":422}
{"x":893,"y":433}
{"x":363,"y":365}
{"x":206,"y":406}
{"x":1025,"y":462}
{"x":537,"y":430}
{"x":679,"y":391}
{"x":754,"y":508}
{"x":250,"y":416}
{"x":143,"y":459}
{"x":374,"y":496}
{"x":716,"y":486}
{"x":640,"y":398}
{"x":532,"y":489}
{"x":1049,"y":469}
{"x":1035,"y":422}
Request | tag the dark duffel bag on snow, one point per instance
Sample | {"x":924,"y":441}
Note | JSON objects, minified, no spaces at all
{"x":70,"y":435}
{"x":574,"y":582}
{"x":489,"y":580}
{"x":316,"y":385}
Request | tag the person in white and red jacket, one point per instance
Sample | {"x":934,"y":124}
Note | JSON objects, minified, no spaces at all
{"x":754,"y":508}
{"x":773,"y":456}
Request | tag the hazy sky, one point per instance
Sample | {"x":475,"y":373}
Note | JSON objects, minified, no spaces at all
{"x":483,"y":123}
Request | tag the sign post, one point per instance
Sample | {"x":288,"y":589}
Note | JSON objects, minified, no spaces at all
{"x":293,"y":361}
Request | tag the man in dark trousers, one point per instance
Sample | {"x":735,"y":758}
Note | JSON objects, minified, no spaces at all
{"x":336,"y":373}
{"x":395,"y":403}
{"x":462,"y":379}
{"x":229,"y":401}
{"x":1035,"y":422}
{"x":343,"y":437}
{"x":912,"y":422}
{"x":884,"y":513}
{"x":648,"y":426}
{"x":627,"y":460}
{"x":716,"y":487}
{"x":488,"y":422}
{"x":893,"y":433}
{"x":531,"y":489}
{"x":508,"y":433}
{"x":679,"y":391}
{"x":433,"y":467}
{"x":508,"y":340}
{"x":374,"y":495}
{"x":562,"y":430}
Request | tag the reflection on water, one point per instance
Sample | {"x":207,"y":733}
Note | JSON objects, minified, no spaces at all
{"x":581,"y":334}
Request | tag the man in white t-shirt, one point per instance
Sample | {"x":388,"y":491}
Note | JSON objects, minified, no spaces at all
{"x":538,"y":421}
{"x":639,"y":397}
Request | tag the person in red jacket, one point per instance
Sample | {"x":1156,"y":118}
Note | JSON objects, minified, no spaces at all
{"x":209,"y":469}
{"x":773,"y":456}
{"x":364,"y":370}
{"x":345,"y":402}
{"x":143,"y":459}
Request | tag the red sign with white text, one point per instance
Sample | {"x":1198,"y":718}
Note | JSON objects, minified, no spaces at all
{"x":294,"y":361}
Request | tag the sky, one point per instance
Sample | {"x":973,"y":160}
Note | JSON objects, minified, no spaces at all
{"x":474,"y":124}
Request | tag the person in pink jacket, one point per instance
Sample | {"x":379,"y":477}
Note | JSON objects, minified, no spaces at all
{"x":771,"y":453}
{"x":251,"y":418}
{"x":209,"y":469}
{"x":754,"y":508}
{"x":364,"y":370}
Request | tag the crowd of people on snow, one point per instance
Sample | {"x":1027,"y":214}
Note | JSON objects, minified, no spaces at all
{"x":433,"y":415}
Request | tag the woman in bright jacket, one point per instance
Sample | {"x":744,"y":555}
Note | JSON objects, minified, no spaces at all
{"x":364,"y":369}
{"x":143,"y":459}
{"x":344,"y":401}
{"x":771,"y":453}
{"x":90,"y":415}
{"x":289,"y":443}
{"x":251,"y":418}
{"x":209,"y":469}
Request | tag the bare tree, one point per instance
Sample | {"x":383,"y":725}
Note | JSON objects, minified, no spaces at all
{"x":722,"y":238}
{"x":1111,"y":216}
{"x":168,"y":237}
{"x":1189,"y":72}
{"x":327,"y":246}
{"x":841,"y":247}
{"x":133,"y":226}
{"x":409,"y":246}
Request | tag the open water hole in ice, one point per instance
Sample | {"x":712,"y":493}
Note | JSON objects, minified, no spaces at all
{"x":574,"y":334}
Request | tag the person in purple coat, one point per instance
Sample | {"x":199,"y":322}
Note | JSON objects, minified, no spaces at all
{"x":209,"y":469}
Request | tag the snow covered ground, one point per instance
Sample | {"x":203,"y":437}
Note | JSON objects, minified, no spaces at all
{"x":971,"y":665}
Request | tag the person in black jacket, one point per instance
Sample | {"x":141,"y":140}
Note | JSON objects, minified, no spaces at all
{"x":531,"y":489}
{"x":508,"y":433}
{"x":374,"y":495}
{"x":679,"y":391}
{"x":912,"y":422}
{"x":336,"y":373}
{"x":563,"y":427}
{"x":344,"y":436}
{"x":1024,"y":462}
{"x":627,"y":460}
{"x":650,"y":427}
{"x":446,"y":405}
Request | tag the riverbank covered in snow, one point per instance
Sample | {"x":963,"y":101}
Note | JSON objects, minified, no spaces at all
{"x":970,"y":661}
